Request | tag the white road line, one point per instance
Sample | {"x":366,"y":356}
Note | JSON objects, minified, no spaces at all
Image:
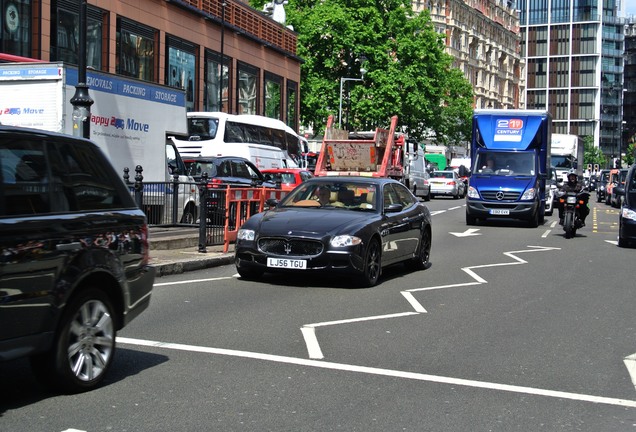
{"x":311,"y":338}
{"x":445,"y":286}
{"x":354,"y":320}
{"x":193,"y":281}
{"x":384,"y":372}
{"x":546,"y":233}
{"x":414,"y":303}
{"x":455,"y":208}
{"x":313,"y":347}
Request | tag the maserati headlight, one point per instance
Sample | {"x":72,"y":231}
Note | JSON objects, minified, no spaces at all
{"x":246,"y":234}
{"x":628,"y":214}
{"x":529,"y":194}
{"x":472,"y":193}
{"x":345,"y":240}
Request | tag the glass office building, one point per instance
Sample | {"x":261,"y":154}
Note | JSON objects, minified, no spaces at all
{"x":574,"y":66}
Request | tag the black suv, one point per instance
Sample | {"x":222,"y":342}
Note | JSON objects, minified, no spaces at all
{"x":226,"y":170}
{"x":73,"y":257}
{"x":223,"y":172}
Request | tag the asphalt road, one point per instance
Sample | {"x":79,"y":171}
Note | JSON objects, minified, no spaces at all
{"x":510,"y":329}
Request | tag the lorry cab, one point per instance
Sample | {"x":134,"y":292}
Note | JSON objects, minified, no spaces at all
{"x":510,"y":159}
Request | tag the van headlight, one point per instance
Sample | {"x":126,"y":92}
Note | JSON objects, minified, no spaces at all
{"x":528,"y":194}
{"x":472,"y":193}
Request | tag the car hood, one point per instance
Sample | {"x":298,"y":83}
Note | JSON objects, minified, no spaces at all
{"x":308,"y":222}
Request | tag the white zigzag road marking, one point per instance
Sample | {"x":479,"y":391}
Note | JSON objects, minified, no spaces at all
{"x":309,"y":330}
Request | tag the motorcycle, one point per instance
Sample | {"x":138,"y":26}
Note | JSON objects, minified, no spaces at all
{"x":572,"y":202}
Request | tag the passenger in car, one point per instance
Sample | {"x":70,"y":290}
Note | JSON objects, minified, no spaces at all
{"x":345,"y":198}
{"x":323,"y":195}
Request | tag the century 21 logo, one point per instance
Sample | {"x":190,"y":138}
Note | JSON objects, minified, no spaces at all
{"x":510,"y":124}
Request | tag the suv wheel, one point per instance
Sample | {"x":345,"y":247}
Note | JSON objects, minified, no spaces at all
{"x":84,"y":345}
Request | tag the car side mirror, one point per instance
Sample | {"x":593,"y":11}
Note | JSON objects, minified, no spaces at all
{"x":393,"y":208}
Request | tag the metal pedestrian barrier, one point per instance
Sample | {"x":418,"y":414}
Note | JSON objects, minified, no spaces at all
{"x":176,"y":203}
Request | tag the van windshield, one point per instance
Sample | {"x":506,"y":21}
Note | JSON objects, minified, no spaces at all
{"x":505,"y":163}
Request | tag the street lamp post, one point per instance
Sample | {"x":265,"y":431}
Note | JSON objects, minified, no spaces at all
{"x":81,"y":100}
{"x":223,"y":4}
{"x":342,"y":81}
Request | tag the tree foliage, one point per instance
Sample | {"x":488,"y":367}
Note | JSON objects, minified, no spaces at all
{"x":593,"y":155}
{"x":408,"y":72}
{"x":629,"y":154}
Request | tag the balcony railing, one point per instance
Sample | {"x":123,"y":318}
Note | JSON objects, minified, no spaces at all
{"x":243,"y":17}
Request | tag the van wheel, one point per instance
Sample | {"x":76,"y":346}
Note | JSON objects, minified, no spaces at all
{"x":83,"y":347}
{"x":470,"y":219}
{"x":533,"y":222}
{"x":189,"y":215}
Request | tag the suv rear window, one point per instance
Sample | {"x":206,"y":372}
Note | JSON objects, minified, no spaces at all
{"x":39,"y":178}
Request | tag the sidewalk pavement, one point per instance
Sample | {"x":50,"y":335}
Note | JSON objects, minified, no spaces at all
{"x":176,"y":250}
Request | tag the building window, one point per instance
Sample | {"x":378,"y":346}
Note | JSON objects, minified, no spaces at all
{"x":583,"y":71}
{"x":558,"y":104}
{"x":560,"y":40}
{"x":583,"y":102}
{"x":273,"y":95}
{"x":560,"y":11}
{"x":536,"y":100}
{"x":247,"y":89}
{"x":65,"y":34}
{"x":584,"y":39}
{"x":559,"y":71}
{"x":214,"y":92}
{"x":292,"y":104}
{"x":181,"y":70}
{"x":16,"y":28}
{"x":537,"y":73}
{"x":136,"y":56}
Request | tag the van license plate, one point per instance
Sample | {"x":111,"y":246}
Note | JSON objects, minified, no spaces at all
{"x":501,"y":212}
{"x":287,"y":263}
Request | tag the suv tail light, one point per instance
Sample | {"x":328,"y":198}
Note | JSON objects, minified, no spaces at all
{"x":215,"y":184}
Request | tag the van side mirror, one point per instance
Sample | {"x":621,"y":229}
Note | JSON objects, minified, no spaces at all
{"x":173,"y":169}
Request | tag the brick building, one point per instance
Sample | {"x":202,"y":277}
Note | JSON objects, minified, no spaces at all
{"x":180,"y":43}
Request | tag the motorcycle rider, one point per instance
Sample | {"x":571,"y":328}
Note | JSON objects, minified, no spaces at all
{"x":573,"y":185}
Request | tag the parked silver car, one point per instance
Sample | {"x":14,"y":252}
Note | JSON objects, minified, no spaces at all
{"x":447,"y":183}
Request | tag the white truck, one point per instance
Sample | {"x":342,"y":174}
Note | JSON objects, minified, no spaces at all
{"x":567,"y":154}
{"x":131,"y":121}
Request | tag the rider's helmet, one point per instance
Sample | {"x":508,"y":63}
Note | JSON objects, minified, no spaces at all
{"x":572,"y":177}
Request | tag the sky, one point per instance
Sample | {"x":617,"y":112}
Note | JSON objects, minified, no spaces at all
{"x":630,"y":7}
